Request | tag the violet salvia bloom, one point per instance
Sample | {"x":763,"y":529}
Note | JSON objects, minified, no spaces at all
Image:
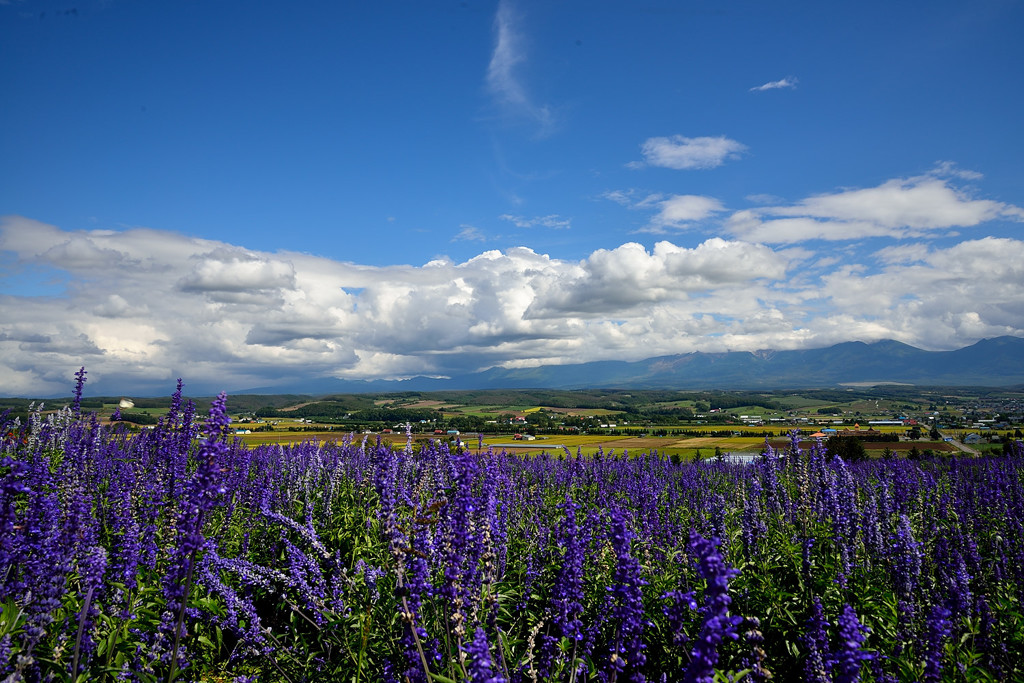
{"x":815,"y":639}
{"x":91,"y":568}
{"x":480,"y":666}
{"x":567,"y":593}
{"x":5,"y":653}
{"x":125,"y":540}
{"x":849,"y":654}
{"x":628,"y":651}
{"x":12,"y":488}
{"x":203,"y":492}
{"x":241,"y":616}
{"x":906,"y":560}
{"x":371,"y":575}
{"x":677,"y":612}
{"x":939,"y":629}
{"x":754,"y":528}
{"x":718,"y":626}
{"x":754,"y":660}
{"x":206,"y":483}
{"x":807,"y":558}
{"x":993,"y":650}
{"x":306,"y":578}
{"x":953,"y":577}
{"x":79,"y":385}
{"x":872,"y":530}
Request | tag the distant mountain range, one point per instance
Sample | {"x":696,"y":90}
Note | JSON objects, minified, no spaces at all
{"x":990,"y":362}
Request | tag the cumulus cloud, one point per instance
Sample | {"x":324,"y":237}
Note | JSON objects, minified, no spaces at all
{"x":937,"y":298}
{"x":234,"y":271}
{"x":226,"y":317}
{"x":789,"y":82}
{"x":902,"y":207}
{"x":503,"y":72}
{"x":682,"y":153}
{"x":618,"y":281}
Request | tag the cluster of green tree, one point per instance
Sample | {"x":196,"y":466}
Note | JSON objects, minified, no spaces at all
{"x":20,"y":415}
{"x":399,"y":415}
{"x":659,"y":414}
{"x":712,"y":432}
{"x":14,"y":404}
{"x":249,"y":403}
{"x":333,"y":411}
{"x":138,"y":418}
{"x":874,"y":438}
{"x":830,"y":410}
{"x":726,"y":401}
{"x":319,"y":409}
{"x":825,"y":395}
{"x":847,"y":447}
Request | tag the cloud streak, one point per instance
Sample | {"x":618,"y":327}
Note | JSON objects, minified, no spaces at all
{"x":789,"y":83}
{"x":504,"y":80}
{"x":553,"y":221}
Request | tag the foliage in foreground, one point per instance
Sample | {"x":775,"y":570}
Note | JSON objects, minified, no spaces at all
{"x":172,"y":554}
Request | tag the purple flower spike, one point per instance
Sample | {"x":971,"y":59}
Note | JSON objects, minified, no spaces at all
{"x":629,"y":605}
{"x":718,"y":624}
{"x":79,"y":385}
{"x":939,"y":629}
{"x":847,"y":659}
{"x":816,"y":641}
{"x":481,"y":666}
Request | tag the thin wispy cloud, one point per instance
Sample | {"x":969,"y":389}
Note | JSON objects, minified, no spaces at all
{"x":503,"y":78}
{"x":469,"y":233}
{"x":789,"y":82}
{"x":553,"y":221}
{"x":683,"y":153}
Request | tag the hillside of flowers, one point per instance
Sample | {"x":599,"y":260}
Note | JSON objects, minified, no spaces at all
{"x":176,"y":553}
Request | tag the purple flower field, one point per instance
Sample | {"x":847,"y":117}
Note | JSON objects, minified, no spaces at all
{"x":177,"y":554}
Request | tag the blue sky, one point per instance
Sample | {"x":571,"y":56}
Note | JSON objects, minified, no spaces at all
{"x":252,"y":191}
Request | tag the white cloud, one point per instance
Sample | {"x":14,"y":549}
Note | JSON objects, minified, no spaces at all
{"x":787,"y":82}
{"x":503,"y":77}
{"x":226,"y":317}
{"x":232,"y":271}
{"x":941,"y":298}
{"x":682,"y":153}
{"x":551,"y":221}
{"x":902,"y":207}
{"x":469,"y":233}
{"x":612,"y":282}
{"x":678,"y":211}
{"x":673,"y":212}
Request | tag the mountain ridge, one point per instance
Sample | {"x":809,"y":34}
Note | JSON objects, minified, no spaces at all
{"x":997,"y":361}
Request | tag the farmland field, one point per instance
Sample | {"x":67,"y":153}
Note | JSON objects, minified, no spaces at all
{"x":181,"y":553}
